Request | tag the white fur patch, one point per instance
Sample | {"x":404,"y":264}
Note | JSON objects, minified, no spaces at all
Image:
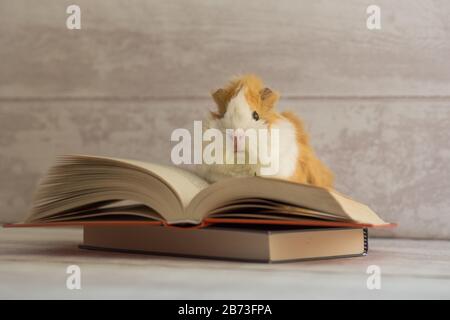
{"x":288,"y":146}
{"x":239,"y":113}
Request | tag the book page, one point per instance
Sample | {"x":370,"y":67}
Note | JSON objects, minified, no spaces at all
{"x":186,"y":184}
{"x":82,"y":181}
{"x":308,"y":198}
{"x":180,"y":196}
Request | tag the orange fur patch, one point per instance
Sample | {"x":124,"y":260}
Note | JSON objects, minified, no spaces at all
{"x":309,"y":167}
{"x":261,"y":99}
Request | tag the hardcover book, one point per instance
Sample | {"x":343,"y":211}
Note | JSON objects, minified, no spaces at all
{"x":88,"y":190}
{"x":269,"y":244}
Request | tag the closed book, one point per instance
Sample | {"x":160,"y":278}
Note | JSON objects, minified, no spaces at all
{"x":275,"y":244}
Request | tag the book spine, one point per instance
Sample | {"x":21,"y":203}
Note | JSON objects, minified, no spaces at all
{"x":366,"y":241}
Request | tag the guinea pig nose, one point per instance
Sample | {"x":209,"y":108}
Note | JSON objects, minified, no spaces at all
{"x":238,"y":141}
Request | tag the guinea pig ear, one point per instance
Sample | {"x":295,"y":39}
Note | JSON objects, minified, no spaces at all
{"x":220,"y":97}
{"x":268,"y":97}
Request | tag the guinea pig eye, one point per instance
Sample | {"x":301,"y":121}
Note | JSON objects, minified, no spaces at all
{"x":255,"y":115}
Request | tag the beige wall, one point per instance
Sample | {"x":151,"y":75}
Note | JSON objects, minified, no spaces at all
{"x":377,"y":103}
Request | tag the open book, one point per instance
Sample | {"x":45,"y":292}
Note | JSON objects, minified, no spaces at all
{"x":87,"y":190}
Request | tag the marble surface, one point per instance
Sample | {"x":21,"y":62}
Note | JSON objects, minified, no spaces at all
{"x":33,"y":264}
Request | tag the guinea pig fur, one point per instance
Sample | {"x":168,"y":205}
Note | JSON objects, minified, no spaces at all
{"x":246,"y":104}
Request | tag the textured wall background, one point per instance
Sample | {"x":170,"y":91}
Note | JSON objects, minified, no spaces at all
{"x":377,"y":103}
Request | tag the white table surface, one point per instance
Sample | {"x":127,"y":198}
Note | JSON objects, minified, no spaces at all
{"x":33,"y":264}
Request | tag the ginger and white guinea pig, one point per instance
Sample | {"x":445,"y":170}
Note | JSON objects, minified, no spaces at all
{"x":246,"y":104}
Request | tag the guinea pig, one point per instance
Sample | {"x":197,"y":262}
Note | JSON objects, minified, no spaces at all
{"x":246,"y":104}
